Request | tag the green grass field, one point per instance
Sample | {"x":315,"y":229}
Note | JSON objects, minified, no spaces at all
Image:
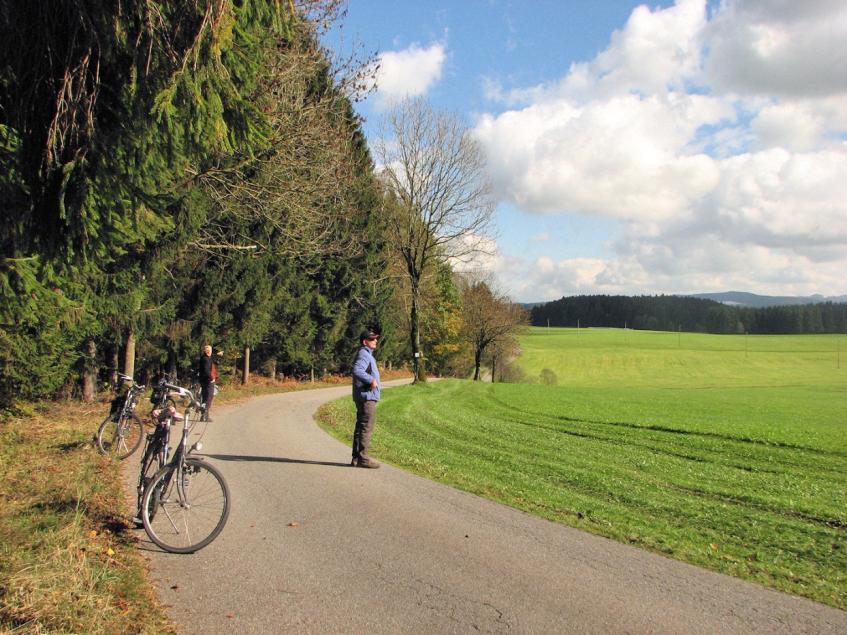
{"x":655,"y":359}
{"x":729,"y":452}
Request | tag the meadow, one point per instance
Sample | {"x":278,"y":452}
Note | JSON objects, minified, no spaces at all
{"x":728,"y":452}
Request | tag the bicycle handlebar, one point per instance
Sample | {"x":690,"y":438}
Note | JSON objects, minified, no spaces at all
{"x":185,"y":393}
{"x":136,"y":386}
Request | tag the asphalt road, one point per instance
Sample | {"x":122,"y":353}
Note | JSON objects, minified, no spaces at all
{"x":315,"y":546}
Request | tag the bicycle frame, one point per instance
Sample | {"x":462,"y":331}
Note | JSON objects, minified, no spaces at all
{"x":156,"y":444}
{"x":193,"y":406}
{"x":182,"y":450}
{"x":130,"y":399}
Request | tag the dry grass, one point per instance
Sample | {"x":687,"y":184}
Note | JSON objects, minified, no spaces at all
{"x":67,"y":560}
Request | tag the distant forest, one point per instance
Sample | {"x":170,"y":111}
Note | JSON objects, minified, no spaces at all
{"x":671,"y":313}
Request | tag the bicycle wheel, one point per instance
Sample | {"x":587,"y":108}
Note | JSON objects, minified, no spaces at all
{"x":184,"y":515}
{"x":153,"y":461}
{"x":119,"y":439}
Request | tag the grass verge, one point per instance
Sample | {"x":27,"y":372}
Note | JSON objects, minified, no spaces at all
{"x":68,"y":562}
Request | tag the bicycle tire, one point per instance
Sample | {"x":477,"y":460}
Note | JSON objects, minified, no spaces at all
{"x":181,"y":528}
{"x":152,"y":461}
{"x":120,"y":439}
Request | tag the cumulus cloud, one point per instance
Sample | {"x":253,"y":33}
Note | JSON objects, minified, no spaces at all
{"x":481,"y":254}
{"x":619,"y":157}
{"x":717,"y":140}
{"x":778,"y":47}
{"x":409,"y":72}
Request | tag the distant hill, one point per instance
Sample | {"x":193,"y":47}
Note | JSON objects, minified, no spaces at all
{"x":743,"y":299}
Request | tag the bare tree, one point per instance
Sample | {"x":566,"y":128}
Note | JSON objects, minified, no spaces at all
{"x":439,"y":203}
{"x":299,"y":188}
{"x":489,"y":319}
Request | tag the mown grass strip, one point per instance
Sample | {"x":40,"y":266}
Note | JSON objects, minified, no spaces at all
{"x":741,"y":481}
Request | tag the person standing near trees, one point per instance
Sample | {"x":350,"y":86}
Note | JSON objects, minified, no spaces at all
{"x":207,"y":374}
{"x":365,"y":395}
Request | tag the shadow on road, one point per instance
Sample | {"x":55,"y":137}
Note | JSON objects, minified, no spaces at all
{"x":271,"y":459}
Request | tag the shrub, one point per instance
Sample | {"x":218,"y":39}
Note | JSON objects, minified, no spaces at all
{"x":512,"y":374}
{"x":548,"y":377}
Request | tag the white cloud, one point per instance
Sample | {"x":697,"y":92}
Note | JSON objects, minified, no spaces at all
{"x":785,"y":48}
{"x":655,"y":50}
{"x":482,"y":252}
{"x":718,"y":140}
{"x":409,"y":72}
{"x":622,"y":157}
{"x":800,"y":125}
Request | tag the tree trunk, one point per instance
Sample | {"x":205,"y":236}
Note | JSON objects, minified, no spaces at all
{"x":493,"y":367}
{"x":129,"y":356}
{"x":172,"y":363}
{"x":113,"y":364}
{"x":245,"y":376}
{"x":415,"y":335}
{"x":477,"y":363}
{"x":89,"y":377}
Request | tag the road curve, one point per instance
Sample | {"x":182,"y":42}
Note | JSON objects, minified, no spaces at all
{"x":315,"y":546}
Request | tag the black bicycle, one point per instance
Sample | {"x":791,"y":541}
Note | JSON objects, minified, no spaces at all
{"x":157,"y":442}
{"x":185,"y":504}
{"x":122,"y":430}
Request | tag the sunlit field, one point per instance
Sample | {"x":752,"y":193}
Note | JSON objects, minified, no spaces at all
{"x":729,"y":452}
{"x":610,"y":357}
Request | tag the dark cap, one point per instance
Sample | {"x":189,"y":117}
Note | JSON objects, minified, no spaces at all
{"x":367,"y":334}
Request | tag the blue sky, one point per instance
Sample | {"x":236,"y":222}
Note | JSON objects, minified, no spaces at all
{"x":675,"y":147}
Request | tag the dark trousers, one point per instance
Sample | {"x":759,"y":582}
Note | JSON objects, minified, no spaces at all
{"x":365,"y":420}
{"x":207,"y":394}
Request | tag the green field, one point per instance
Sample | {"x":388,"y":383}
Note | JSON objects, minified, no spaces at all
{"x":729,"y":452}
{"x":656,"y":359}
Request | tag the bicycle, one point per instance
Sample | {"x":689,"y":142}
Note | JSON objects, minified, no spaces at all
{"x":122,"y":430}
{"x":185,"y":505}
{"x":157,"y":442}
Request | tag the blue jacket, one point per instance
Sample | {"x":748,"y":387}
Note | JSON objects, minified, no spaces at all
{"x":364,"y":372}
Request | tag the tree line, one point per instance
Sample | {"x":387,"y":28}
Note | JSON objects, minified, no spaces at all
{"x":174,"y":173}
{"x":671,"y":313}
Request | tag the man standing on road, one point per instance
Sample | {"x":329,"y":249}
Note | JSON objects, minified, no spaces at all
{"x":207,"y":374}
{"x":365,"y":395}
